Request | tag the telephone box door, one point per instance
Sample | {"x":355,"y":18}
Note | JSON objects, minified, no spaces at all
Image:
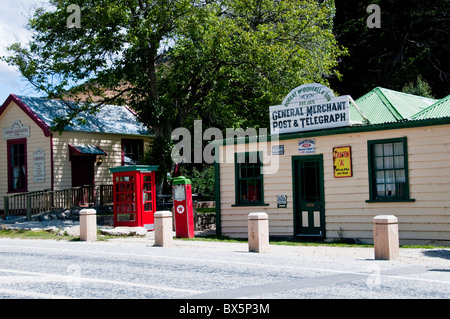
{"x":148,"y":200}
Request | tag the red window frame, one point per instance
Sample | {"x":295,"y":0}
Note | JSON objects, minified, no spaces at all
{"x":12,"y":165}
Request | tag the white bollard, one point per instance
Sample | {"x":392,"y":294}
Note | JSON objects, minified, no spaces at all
{"x":88,"y":225}
{"x":258,"y":232}
{"x":385,"y":237}
{"x":163,"y":229}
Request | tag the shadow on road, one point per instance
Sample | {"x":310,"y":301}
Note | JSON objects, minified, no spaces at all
{"x":438,"y":253}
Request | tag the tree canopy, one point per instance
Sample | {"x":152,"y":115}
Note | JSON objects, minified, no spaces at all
{"x":173,"y":61}
{"x":412,"y":43}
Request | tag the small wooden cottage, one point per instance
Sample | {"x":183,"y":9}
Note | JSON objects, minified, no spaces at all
{"x":331,"y":164}
{"x":35,"y":158}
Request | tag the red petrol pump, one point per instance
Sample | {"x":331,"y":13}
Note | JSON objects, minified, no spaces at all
{"x":183,"y":208}
{"x":134,"y":191}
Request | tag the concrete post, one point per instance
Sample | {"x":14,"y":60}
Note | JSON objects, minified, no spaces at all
{"x":258,"y":232}
{"x":163,"y":229}
{"x":385,"y":237}
{"x":88,"y":225}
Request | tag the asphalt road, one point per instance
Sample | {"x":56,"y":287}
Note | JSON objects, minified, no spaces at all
{"x":134,"y":268}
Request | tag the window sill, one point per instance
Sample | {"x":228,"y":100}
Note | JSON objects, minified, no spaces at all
{"x":390,"y":200}
{"x":249,"y":205}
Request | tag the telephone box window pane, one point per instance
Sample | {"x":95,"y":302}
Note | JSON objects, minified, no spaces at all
{"x":125,"y":207}
{"x":126,"y":217}
{"x":125,"y":197}
{"x":126,"y":178}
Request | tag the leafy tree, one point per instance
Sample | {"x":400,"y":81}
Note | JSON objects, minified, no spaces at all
{"x":174,"y":61}
{"x":413,"y":40}
{"x":420,"y":87}
{"x":224,"y":61}
{"x":203,"y":181}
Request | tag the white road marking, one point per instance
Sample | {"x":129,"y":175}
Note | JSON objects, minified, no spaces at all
{"x":47,"y":277}
{"x":220,"y":261}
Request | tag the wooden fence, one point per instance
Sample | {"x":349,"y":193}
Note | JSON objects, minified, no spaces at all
{"x":42,"y":201}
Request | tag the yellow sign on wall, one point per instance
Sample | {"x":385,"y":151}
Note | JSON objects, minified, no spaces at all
{"x":342,"y":157}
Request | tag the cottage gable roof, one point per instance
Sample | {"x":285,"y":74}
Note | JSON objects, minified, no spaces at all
{"x":110,"y":119}
{"x":383,"y":106}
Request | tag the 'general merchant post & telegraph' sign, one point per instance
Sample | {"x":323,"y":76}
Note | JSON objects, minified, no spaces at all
{"x":309,"y":107}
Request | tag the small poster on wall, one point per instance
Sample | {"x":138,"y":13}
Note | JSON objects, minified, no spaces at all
{"x":307,"y":146}
{"x":342,"y":158}
{"x":39,"y":165}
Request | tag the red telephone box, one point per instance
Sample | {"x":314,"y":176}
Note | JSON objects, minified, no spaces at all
{"x":134,"y":192}
{"x":183,"y":209}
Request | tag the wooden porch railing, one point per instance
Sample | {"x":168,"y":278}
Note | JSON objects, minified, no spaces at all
{"x":41,"y":201}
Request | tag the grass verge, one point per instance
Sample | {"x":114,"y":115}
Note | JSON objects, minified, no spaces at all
{"x":34,"y":234}
{"x":41,"y":234}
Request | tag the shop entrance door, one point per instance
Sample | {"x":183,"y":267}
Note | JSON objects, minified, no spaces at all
{"x":308,"y":194}
{"x":82,"y":170}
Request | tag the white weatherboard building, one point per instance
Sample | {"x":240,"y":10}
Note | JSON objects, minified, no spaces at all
{"x":35,"y":158}
{"x":385,"y":153}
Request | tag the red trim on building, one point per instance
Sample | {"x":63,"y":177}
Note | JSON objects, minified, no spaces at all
{"x":13,"y":98}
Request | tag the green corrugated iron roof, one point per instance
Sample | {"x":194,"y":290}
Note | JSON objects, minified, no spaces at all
{"x":439,"y":109}
{"x":383,"y":106}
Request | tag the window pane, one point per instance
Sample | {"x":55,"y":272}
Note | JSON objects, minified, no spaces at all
{"x":240,"y":158}
{"x":380,"y":177}
{"x":390,"y":189}
{"x":398,"y":148}
{"x":379,"y":163}
{"x":252,"y":191}
{"x":388,"y":162}
{"x":253,"y":158}
{"x":390,"y":176}
{"x":256,"y":171}
{"x":243,"y":172}
{"x":400,"y":176}
{"x":381,"y":190}
{"x":399,"y":162}
{"x":243,"y":190}
{"x":378,"y":149}
{"x":388,"y":149}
